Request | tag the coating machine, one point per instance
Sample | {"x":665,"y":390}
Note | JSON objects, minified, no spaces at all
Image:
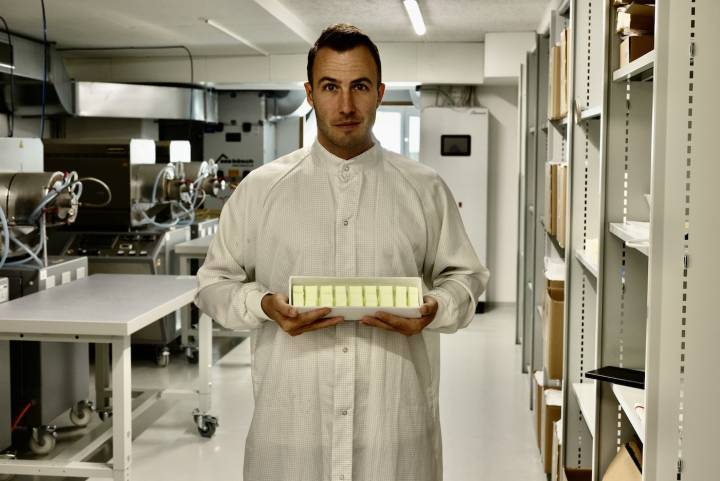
{"x":39,"y":381}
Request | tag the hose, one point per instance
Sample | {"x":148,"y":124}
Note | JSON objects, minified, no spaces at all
{"x":6,"y":237}
{"x":102,"y":184}
{"x":28,"y":250}
{"x":169,"y":169}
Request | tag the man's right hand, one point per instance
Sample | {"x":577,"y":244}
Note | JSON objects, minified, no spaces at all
{"x":277,"y":308}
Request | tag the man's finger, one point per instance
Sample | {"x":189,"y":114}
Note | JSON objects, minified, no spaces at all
{"x":321,"y":324}
{"x":393,"y":320}
{"x":284,"y":308}
{"x":309,"y":317}
{"x":375,"y":322}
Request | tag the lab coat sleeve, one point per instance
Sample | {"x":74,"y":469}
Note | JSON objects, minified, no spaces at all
{"x":227,"y":288}
{"x":452,"y":271}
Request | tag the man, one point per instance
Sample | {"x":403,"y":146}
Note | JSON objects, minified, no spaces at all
{"x":338,"y":400}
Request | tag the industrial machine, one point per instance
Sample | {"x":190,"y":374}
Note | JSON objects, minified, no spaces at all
{"x":38,"y":381}
{"x":454,"y":142}
{"x":152,"y":208}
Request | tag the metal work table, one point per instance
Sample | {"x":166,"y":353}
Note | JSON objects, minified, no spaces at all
{"x":186,"y":252}
{"x":105,"y":309}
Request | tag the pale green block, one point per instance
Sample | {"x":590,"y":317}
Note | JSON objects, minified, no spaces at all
{"x":413,"y":297}
{"x":311,"y":296}
{"x":356,"y":296}
{"x":401,"y":296}
{"x":386,"y":296}
{"x":298,"y":294}
{"x":340,"y":296}
{"x":371,"y":297}
{"x":326,"y":296}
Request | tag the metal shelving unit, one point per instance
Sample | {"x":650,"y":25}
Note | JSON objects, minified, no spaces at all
{"x":640,"y":143}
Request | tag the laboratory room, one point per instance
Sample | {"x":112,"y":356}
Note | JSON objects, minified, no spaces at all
{"x":359,"y":240}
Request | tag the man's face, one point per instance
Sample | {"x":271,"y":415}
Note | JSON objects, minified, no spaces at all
{"x":345,"y":95}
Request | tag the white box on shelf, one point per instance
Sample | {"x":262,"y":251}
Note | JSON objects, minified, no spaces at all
{"x":354,"y":285}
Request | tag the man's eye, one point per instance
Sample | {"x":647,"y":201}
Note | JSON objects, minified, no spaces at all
{"x":361,"y":87}
{"x":329,"y":87}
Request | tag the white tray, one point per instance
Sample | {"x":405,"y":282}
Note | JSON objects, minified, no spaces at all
{"x":357,"y":313}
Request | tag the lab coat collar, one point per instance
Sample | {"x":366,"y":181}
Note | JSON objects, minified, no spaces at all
{"x":360,"y":162}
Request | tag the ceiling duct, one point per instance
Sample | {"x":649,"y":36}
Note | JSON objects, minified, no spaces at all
{"x":94,"y":99}
{"x":286,"y":103}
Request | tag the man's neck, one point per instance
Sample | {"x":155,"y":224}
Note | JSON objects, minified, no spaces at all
{"x":345,"y":154}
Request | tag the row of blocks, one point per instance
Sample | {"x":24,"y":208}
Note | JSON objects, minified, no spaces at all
{"x":355,"y":296}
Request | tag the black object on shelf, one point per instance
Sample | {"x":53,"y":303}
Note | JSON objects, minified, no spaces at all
{"x":619,"y":375}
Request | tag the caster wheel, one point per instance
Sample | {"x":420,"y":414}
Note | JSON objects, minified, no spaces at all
{"x":81,"y":414}
{"x":206,"y":424}
{"x":42,"y":441}
{"x":191,"y":354}
{"x":163,"y":357}
{"x":209,"y":428}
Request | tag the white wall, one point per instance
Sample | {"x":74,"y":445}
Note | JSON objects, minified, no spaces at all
{"x":287,"y":135}
{"x":501,"y":101}
{"x":504,"y":52}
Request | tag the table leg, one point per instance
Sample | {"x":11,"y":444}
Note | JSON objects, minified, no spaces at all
{"x":102,"y":375}
{"x":185,"y":310}
{"x":122,"y":408}
{"x":205,"y":363}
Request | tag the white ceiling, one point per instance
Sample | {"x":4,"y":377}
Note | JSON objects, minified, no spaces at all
{"x":104,"y":23}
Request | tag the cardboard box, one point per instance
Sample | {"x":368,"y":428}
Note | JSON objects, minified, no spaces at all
{"x":551,"y":197}
{"x":553,"y":329}
{"x":620,"y":3}
{"x":552,"y":402}
{"x":562,"y":204}
{"x":635,"y":19}
{"x":633,"y":48}
{"x":577,"y":474}
{"x":539,"y":387}
{"x":554,"y":84}
{"x":563,"y":73}
{"x":627,"y":464}
{"x":557,"y":443}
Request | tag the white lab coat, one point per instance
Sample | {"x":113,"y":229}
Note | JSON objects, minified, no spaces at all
{"x":351,"y":402}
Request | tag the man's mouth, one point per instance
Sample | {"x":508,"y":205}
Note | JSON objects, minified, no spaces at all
{"x":347,"y":125}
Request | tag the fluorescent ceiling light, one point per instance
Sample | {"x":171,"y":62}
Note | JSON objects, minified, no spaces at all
{"x":234,"y":35}
{"x":413,"y":11}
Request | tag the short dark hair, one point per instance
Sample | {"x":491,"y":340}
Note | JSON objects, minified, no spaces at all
{"x":342,"y":37}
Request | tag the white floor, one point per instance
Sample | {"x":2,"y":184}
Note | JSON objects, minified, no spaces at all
{"x":487,"y":426}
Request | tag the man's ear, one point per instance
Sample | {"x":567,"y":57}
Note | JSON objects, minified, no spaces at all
{"x":308,"y":93}
{"x":381,"y":93}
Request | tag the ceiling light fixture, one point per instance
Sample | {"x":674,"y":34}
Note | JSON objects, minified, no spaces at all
{"x":234,"y":35}
{"x":416,"y":18}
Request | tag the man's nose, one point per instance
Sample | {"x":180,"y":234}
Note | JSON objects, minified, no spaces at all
{"x":347,"y":103}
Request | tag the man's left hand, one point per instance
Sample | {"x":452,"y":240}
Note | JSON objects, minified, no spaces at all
{"x":404,"y":325}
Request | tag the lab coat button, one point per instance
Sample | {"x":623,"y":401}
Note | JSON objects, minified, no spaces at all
{"x":344,"y":413}
{"x":346,"y":222}
{"x":345,"y":349}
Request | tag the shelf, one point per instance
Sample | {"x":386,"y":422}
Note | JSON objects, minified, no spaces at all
{"x":586,"y":262}
{"x":585,"y":394}
{"x":619,"y":375}
{"x":558,"y":247}
{"x":639,"y":69}
{"x":591,"y":113}
{"x":635,"y":234}
{"x":628,"y":397}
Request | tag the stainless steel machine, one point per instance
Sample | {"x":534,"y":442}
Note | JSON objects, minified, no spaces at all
{"x":38,"y":381}
{"x":152,"y":209}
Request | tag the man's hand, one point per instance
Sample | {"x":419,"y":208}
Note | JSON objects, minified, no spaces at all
{"x":405,"y":325}
{"x":277,"y":308}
